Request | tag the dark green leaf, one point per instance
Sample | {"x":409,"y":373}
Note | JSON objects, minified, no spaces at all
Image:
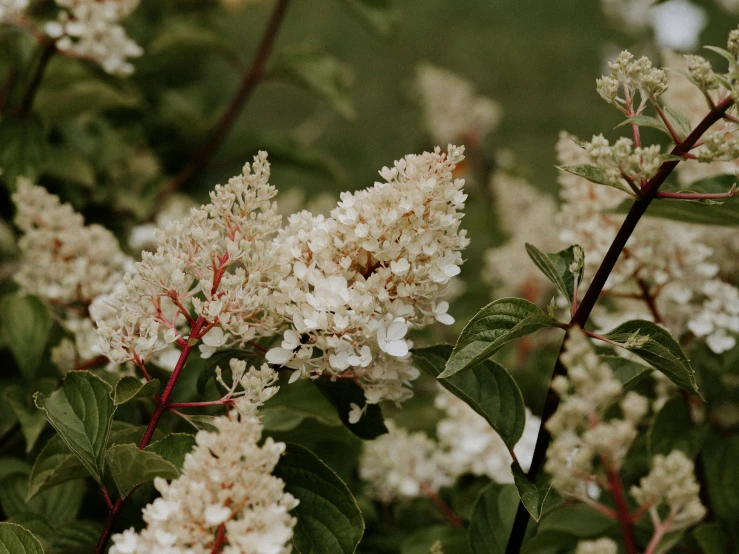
{"x":130,"y":387}
{"x":563,"y":268}
{"x":83,"y":96}
{"x":673,"y":429}
{"x":81,"y":412}
{"x":15,"y":539}
{"x":296,"y":402}
{"x":723,"y":481}
{"x":26,"y":323}
{"x":173,"y":448}
{"x":200,"y":422}
{"x":69,"y":165}
{"x":628,"y":372}
{"x":495,"y":325}
{"x":534,"y":494}
{"x":712,"y":538}
{"x":645,"y":121}
{"x":379,"y":15}
{"x":319,"y":73}
{"x":492,"y":519}
{"x":566,"y":525}
{"x":22,"y":148}
{"x":655,"y":345}
{"x":38,"y":525}
{"x":451,"y":539}
{"x":131,"y":467}
{"x":679,"y":122}
{"x":329,"y":519}
{"x":76,"y":537}
{"x":593,"y":174}
{"x":487,"y":387}
{"x":55,"y":464}
{"x":342,"y":394}
{"x":32,"y":421}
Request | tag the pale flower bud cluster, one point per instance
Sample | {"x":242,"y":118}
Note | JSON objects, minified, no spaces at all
{"x":401,"y":465}
{"x":600,"y":546}
{"x":633,"y":75}
{"x":227,"y":482}
{"x":91,"y":29}
{"x":584,"y":444}
{"x":673,"y":257}
{"x":720,"y":145}
{"x":220,"y":261}
{"x":452,"y":110}
{"x":702,"y":73}
{"x":671,"y":483}
{"x":622,"y":161}
{"x":360,"y":280}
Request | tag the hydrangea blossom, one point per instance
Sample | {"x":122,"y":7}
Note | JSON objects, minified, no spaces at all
{"x":226,"y":487}
{"x":360,"y":279}
{"x":452,"y":110}
{"x":91,"y":29}
{"x":219,"y":260}
{"x":599,"y":546}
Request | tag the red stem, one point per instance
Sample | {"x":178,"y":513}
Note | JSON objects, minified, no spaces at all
{"x":697,"y":196}
{"x":220,"y":539}
{"x":659,"y":533}
{"x":218,"y":402}
{"x":248,"y":84}
{"x":622,"y":509}
{"x":453,"y":518}
{"x":648,"y":193}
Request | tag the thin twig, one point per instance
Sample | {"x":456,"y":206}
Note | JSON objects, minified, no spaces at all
{"x":47,"y":52}
{"x":251,"y":78}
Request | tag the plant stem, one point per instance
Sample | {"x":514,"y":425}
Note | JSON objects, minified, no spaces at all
{"x":650,"y":300}
{"x":220,"y":539}
{"x":698,"y":196}
{"x":47,"y":51}
{"x":453,"y":518}
{"x":622,"y":509}
{"x":659,"y":533}
{"x":648,"y":193}
{"x":249,"y":81}
{"x":8,"y":86}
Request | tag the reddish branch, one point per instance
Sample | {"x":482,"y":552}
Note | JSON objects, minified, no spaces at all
{"x":646,"y":194}
{"x":220,"y":539}
{"x":249,"y":81}
{"x":622,"y":511}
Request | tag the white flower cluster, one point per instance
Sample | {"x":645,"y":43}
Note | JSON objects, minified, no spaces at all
{"x":226,"y":483}
{"x":599,"y":546}
{"x":585,"y":445}
{"x":673,"y":260}
{"x":633,"y":76}
{"x":526,"y":214}
{"x":91,"y":29}
{"x":401,"y":464}
{"x":452,"y":110}
{"x":622,"y":163}
{"x":671,"y":482}
{"x":360,"y":279}
{"x":71,"y":265}
{"x":219,"y":260}
{"x":12,"y":9}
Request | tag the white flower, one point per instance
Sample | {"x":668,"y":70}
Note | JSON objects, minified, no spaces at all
{"x":390,"y":337}
{"x":677,"y":24}
{"x":441,"y":315}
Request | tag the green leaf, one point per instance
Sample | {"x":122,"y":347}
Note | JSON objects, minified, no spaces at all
{"x":81,"y":411}
{"x":317,"y":72}
{"x":725,"y":214}
{"x":329,"y":519}
{"x":534,"y":494}
{"x":378,"y":15}
{"x":131,"y":467}
{"x":566,"y":525}
{"x":728,"y":56}
{"x":55,"y":464}
{"x":563,"y":268}
{"x":69,"y":165}
{"x":593,"y":174}
{"x":173,"y":448}
{"x":492,"y":519}
{"x":452,"y":540}
{"x":32,"y":421}
{"x":673,"y":429}
{"x":201,"y":422}
{"x":628,"y":372}
{"x":712,"y":538}
{"x":15,"y":539}
{"x":342,"y":394}
{"x":495,"y":325}
{"x":26,"y":322}
{"x":645,"y":121}
{"x":130,"y":387}
{"x":655,"y":345}
{"x":76,"y":536}
{"x":38,"y":525}
{"x":296,"y":402}
{"x":679,"y":122}
{"x":22,"y":148}
{"x":487,"y":388}
{"x":723,"y":485}
{"x":83,"y":96}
